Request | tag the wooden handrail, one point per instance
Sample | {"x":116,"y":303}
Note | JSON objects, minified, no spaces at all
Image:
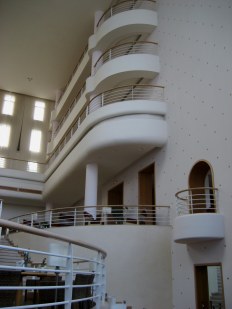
{"x":85,"y":106}
{"x":192,"y":189}
{"x":113,"y":6}
{"x":44,"y":233}
{"x":86,"y":207}
{"x":128,"y":43}
{"x":130,"y":85}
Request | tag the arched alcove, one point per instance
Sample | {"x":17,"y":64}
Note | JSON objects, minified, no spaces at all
{"x":201,"y":186}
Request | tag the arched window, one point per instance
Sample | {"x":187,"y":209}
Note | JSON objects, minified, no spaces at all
{"x":201,"y":186}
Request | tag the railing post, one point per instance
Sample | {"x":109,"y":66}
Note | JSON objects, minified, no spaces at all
{"x":69,"y":277}
{"x":102,"y":100}
{"x":32,"y":220}
{"x":75,"y":217}
{"x":50,"y":218}
{"x":100,"y":280}
{"x":191,"y":202}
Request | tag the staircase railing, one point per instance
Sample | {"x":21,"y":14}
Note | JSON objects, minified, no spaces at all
{"x":61,"y":275}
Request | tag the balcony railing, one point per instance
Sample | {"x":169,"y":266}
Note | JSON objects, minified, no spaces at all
{"x":197,"y":200}
{"x":22,"y":165}
{"x":105,"y":215}
{"x":124,"y":6}
{"x":116,"y":95}
{"x":128,"y":48}
{"x":73,"y":73}
{"x":74,"y":103}
{"x":64,"y":275}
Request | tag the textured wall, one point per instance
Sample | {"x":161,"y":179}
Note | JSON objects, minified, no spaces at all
{"x":195,"y":49}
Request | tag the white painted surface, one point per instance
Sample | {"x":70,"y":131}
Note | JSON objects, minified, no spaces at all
{"x":198,"y":227}
{"x":138,"y":262}
{"x":123,"y":25}
{"x":121,"y":69}
{"x":91,"y":188}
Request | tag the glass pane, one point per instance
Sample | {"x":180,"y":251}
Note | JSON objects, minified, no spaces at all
{"x":39,"y":111}
{"x":4,"y":135}
{"x":35,"y":140}
{"x":8,"y":105}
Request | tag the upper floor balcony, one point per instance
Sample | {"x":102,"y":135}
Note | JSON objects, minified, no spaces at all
{"x":124,"y":62}
{"x":122,"y":20}
{"x":198,"y":218}
{"x":123,"y":124}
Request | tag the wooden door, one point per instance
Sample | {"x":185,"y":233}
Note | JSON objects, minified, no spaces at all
{"x":147,"y":193}
{"x":202,"y":289}
{"x":115,"y":197}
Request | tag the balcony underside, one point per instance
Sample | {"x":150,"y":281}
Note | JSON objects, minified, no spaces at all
{"x":112,"y":143}
{"x":123,"y":68}
{"x":198,"y":227}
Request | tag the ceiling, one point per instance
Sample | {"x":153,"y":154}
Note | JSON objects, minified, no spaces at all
{"x":41,"y":42}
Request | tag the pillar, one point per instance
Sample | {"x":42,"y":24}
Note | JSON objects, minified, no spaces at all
{"x":91,"y":187}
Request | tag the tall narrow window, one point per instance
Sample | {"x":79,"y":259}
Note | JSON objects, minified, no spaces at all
{"x":4,"y":135}
{"x":39,"y":111}
{"x":35,"y":142}
{"x":8,"y":105}
{"x":2,"y":162}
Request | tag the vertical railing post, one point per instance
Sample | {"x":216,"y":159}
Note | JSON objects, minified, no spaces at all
{"x":102,"y":99}
{"x":32,"y":220}
{"x":100,"y":280}
{"x":69,"y":277}
{"x":50,"y":218}
{"x":74,"y":217}
{"x":191,"y":201}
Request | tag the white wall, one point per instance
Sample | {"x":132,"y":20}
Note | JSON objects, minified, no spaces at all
{"x":195,"y":46}
{"x":138,"y":261}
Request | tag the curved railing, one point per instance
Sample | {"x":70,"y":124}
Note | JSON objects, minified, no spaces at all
{"x":124,"y":6}
{"x":105,"y":215}
{"x":116,"y":95}
{"x":197,"y":200}
{"x":73,"y":73}
{"x":73,"y":104}
{"x":58,"y":275}
{"x":142,"y":47}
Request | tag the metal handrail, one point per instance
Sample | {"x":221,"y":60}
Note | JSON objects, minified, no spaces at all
{"x":22,"y":165}
{"x":73,"y":104}
{"x":44,"y":233}
{"x":197,"y":200}
{"x":124,"y":6}
{"x":105,"y":215}
{"x":73,"y":73}
{"x":140,"y":47}
{"x":64,"y":265}
{"x":91,"y":106}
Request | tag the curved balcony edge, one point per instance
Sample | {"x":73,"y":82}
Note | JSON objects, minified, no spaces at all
{"x":122,"y":139}
{"x":121,"y":25}
{"x":198,"y":228}
{"x":123,"y":68}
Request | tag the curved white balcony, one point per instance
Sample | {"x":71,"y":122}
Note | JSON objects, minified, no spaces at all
{"x":123,"y":62}
{"x":198,"y":218}
{"x":122,"y":20}
{"x":121,"y":124}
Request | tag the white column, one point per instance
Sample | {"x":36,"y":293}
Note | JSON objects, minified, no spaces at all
{"x":91,"y":186}
{"x":0,"y":216}
{"x":48,"y":213}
